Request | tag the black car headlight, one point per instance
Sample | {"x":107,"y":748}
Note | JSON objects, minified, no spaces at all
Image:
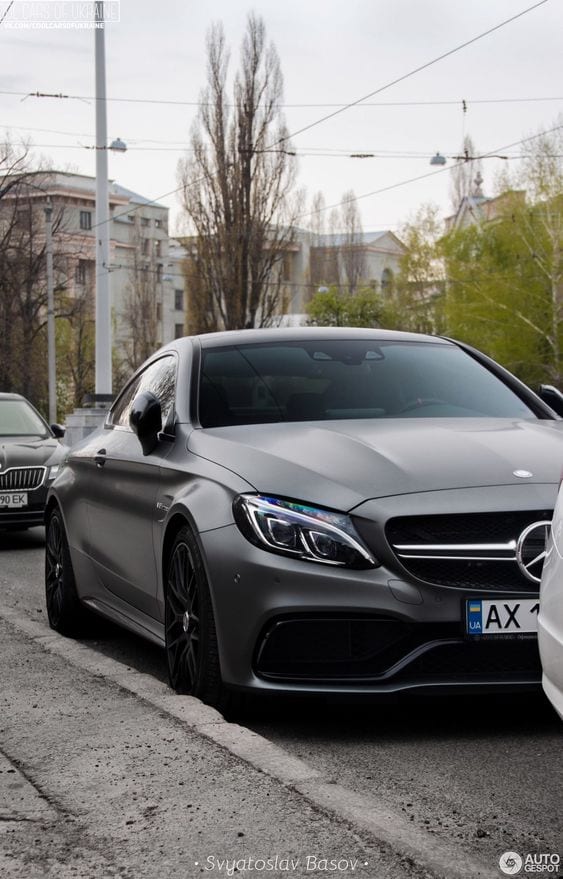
{"x":300,"y":531}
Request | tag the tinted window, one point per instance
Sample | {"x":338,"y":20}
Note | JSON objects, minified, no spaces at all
{"x":160,"y":379}
{"x":304,"y":381}
{"x":17,"y":418}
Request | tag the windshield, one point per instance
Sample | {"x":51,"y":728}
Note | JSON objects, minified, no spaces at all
{"x":322,"y":381}
{"x":18,"y":418}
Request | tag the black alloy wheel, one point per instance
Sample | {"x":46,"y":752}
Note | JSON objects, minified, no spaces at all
{"x":191,"y":640}
{"x":65,"y":612}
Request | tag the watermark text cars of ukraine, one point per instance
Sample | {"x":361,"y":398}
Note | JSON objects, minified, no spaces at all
{"x":61,"y":14}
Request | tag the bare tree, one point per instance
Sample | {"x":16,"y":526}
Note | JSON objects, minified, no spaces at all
{"x":352,"y":248}
{"x":141,"y":304}
{"x":318,"y":217}
{"x":23,"y":286}
{"x":466,"y":176}
{"x":75,"y":345}
{"x":236,"y":188}
{"x":337,"y":259}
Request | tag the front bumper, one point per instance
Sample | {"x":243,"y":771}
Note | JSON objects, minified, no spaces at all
{"x":299,"y":627}
{"x":29,"y":516}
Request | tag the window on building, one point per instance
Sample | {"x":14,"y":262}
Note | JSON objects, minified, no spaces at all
{"x":178,"y":331}
{"x":286,"y":267}
{"x":157,"y":248}
{"x":85,"y":219}
{"x":131,"y":218}
{"x":80,"y":272}
{"x":145,"y":221}
{"x":159,"y":311}
{"x":387,"y":281}
{"x":159,"y":272}
{"x":158,"y":224}
{"x":179,"y":300}
{"x":146,"y":246}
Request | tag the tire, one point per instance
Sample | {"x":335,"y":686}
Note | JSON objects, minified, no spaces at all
{"x":65,"y":612}
{"x":191,"y":640}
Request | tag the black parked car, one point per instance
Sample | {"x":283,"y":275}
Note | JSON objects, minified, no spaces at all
{"x":30,"y":456}
{"x":314,"y":511}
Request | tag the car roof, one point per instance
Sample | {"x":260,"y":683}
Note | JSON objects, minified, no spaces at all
{"x":303,"y":334}
{"x":5,"y":396}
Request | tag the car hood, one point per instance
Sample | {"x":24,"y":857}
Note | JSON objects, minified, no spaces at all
{"x":29,"y":452}
{"x":341,"y":464}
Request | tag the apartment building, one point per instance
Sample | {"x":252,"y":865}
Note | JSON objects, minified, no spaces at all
{"x":142,"y":293}
{"x":312,"y":261}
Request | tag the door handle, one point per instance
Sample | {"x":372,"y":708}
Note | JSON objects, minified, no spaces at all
{"x":100,"y":458}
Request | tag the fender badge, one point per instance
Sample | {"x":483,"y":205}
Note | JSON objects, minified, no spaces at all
{"x":522,"y":474}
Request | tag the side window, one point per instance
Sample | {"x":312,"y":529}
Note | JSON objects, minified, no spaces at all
{"x":160,"y":379}
{"x":120,"y":414}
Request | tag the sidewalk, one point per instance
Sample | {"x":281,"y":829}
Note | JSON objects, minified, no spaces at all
{"x":112,"y":785}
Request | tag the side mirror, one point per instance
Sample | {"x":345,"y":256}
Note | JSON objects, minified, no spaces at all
{"x":58,"y":430}
{"x":146,"y":420}
{"x":553,"y":397}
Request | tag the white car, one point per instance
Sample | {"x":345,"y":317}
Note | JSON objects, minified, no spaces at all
{"x":550,"y":619}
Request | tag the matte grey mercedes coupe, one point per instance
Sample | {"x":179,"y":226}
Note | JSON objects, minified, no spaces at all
{"x":314,"y":511}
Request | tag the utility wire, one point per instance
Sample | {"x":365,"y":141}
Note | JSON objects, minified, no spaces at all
{"x":132,"y":209}
{"x":410,"y":73}
{"x":401,"y":183}
{"x":6,"y":12}
{"x":458,"y":102}
{"x":180,"y":146}
{"x":305,"y":153}
{"x":355,"y":103}
{"x":346,"y":201}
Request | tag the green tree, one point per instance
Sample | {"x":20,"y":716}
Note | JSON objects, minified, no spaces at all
{"x":505,"y":274}
{"x":337,"y":308}
{"x":417,"y":298}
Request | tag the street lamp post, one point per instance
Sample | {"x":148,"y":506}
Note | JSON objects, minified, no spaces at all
{"x":51,"y":352}
{"x":103,"y":300}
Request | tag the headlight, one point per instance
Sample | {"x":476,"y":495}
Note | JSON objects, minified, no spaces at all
{"x":53,"y":471}
{"x":300,"y":531}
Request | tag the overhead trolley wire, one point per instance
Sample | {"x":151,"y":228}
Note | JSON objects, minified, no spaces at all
{"x":410,"y":73}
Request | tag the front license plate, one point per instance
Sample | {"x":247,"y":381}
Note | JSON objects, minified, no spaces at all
{"x":499,"y":617}
{"x":16,"y":499}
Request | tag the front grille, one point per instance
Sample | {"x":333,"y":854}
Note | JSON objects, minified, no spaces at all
{"x":501,"y":660}
{"x":22,"y":478}
{"x":389,"y":651}
{"x":470,"y":551}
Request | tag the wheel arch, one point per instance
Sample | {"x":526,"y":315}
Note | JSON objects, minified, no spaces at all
{"x":181,"y":518}
{"x":173,"y":527}
{"x":51,"y":504}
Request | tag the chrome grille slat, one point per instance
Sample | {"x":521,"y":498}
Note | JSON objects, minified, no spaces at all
{"x":468,"y":551}
{"x":22,"y":478}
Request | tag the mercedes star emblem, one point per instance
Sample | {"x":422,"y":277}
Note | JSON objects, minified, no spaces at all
{"x":531,"y":549}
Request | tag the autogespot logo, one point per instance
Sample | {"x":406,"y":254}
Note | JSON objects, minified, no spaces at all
{"x":510,"y":863}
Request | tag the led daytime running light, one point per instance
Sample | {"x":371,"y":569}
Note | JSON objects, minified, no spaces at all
{"x":311,"y":526}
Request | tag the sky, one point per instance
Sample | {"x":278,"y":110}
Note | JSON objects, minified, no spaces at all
{"x":331,"y":53}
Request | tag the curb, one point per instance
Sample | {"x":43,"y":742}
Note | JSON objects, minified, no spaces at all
{"x":362,"y":813}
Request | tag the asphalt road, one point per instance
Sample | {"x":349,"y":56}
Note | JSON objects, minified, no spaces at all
{"x":484,"y":775}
